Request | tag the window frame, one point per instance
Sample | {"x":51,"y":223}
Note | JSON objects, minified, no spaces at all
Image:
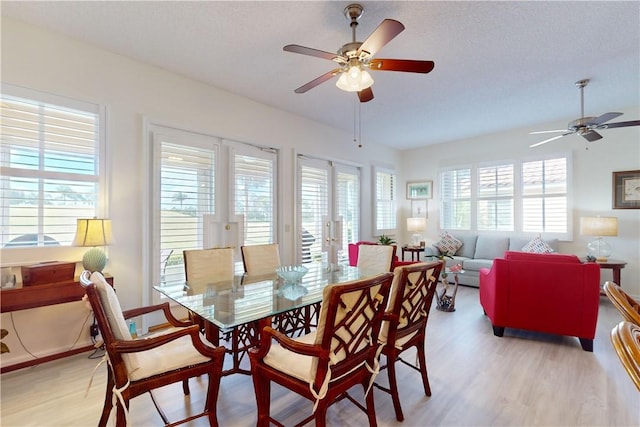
{"x":393,"y":201}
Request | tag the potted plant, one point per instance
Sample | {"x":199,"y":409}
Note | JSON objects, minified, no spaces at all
{"x":385,"y":240}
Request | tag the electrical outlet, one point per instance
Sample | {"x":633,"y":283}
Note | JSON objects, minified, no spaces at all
{"x":93,"y":330}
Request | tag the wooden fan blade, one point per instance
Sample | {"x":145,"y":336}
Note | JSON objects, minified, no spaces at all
{"x":294,"y":48}
{"x":365,"y":95}
{"x":315,"y":82}
{"x":386,"y":31}
{"x":591,"y":136}
{"x":407,"y":65}
{"x":547,"y":131}
{"x":605,"y":118}
{"x":620,"y":124}
{"x":550,"y":139}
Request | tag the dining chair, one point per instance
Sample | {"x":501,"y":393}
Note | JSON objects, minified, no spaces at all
{"x":405,"y":322}
{"x":626,"y":305}
{"x":137,"y":366}
{"x":323,"y":365}
{"x":376,"y":258}
{"x":260,"y":259}
{"x":625,"y":338}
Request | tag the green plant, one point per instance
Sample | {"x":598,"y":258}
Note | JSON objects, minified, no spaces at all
{"x":385,"y":240}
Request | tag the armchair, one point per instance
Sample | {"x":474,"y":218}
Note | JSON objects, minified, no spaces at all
{"x":323,"y":365}
{"x":626,"y":305}
{"x":550,"y":293}
{"x":137,"y":366}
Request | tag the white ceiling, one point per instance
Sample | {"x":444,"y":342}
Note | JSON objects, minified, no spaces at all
{"x":499,"y":65}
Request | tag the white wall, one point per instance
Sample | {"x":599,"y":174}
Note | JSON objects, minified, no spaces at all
{"x":133,"y":92}
{"x":591,"y":194}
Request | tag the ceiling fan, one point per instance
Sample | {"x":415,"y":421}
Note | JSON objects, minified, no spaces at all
{"x":586,"y":126}
{"x":355,"y":57}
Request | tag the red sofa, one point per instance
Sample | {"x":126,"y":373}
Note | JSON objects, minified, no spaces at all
{"x":353,"y":254}
{"x":551,"y":293}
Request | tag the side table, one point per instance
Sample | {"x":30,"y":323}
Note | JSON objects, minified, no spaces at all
{"x":445,"y":302}
{"x":616,"y":266}
{"x":414,"y":251}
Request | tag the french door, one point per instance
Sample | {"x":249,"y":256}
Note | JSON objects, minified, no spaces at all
{"x":328,"y":209}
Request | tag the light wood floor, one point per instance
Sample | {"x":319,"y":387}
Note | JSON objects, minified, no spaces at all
{"x":521,"y":379}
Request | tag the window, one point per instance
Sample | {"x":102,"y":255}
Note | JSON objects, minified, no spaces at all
{"x":544,"y":196}
{"x":455,"y":190}
{"x":385,"y":207}
{"x":495,"y":198}
{"x":254,"y":172}
{"x":51,"y":158}
{"x":528,"y":196}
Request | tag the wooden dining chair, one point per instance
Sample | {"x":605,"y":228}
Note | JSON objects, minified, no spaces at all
{"x":405,"y":322}
{"x":323,"y":365}
{"x":260,"y":259}
{"x":626,"y":305}
{"x":625,"y":338}
{"x":376,"y":258}
{"x":137,"y":366}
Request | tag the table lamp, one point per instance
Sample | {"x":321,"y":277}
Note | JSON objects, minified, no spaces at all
{"x":93,"y":232}
{"x":416,"y":225}
{"x":599,"y":226}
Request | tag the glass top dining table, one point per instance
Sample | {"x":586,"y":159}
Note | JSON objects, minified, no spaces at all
{"x":231,"y":303}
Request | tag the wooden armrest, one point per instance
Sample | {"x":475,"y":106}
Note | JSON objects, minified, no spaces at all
{"x":174,"y":321}
{"x":144,"y":344}
{"x":288,"y":343}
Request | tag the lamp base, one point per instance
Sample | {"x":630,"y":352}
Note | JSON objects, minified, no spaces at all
{"x":599,"y":249}
{"x":94,"y":260}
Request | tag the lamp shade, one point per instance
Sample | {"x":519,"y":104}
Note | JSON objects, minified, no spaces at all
{"x":416,"y":224}
{"x":354,"y":79}
{"x":93,"y":232}
{"x":598,"y":226}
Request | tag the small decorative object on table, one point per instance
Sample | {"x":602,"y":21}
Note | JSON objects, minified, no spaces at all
{"x":292,"y":274}
{"x":446,"y":302}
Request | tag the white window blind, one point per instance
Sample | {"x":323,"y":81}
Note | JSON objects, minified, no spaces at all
{"x":348,"y":201}
{"x":314,"y":207}
{"x":50,"y":156}
{"x":386,"y":196}
{"x":544,"y":196}
{"x":254,"y":195}
{"x":455,"y":203}
{"x":495,"y":198}
{"x":187,"y":192}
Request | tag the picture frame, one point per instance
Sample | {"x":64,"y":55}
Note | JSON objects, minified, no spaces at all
{"x":419,"y":208}
{"x":419,"y":190}
{"x":626,"y":189}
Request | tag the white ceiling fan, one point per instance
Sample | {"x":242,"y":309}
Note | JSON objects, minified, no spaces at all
{"x":586,"y":126}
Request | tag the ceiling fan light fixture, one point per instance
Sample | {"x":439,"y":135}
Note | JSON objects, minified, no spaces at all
{"x":354,"y":79}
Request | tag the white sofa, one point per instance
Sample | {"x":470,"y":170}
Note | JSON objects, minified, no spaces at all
{"x":479,"y":251}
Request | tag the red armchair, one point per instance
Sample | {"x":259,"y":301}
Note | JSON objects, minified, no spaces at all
{"x":548,"y":293}
{"x":353,"y":254}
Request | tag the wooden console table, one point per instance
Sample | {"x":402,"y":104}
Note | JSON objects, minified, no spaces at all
{"x":414,"y":251}
{"x":41,"y":296}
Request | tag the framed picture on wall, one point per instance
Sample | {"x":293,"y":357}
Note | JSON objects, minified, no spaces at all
{"x":419,"y":209}
{"x":419,"y":190}
{"x":626,"y":190}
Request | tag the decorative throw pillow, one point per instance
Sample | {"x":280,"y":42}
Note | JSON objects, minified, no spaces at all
{"x":448,"y":244}
{"x":537,"y":246}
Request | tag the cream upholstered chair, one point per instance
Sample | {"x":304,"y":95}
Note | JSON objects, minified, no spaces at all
{"x":405,"y":322}
{"x":137,"y":366}
{"x":323,"y":365}
{"x":205,"y":266}
{"x":626,"y":341}
{"x":260,"y":259}
{"x":627,"y":306}
{"x":376,"y":258}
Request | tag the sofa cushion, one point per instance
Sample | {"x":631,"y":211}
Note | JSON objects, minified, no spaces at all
{"x":477,"y":264}
{"x":490,"y":247}
{"x":468,"y":248}
{"x":448,"y":244}
{"x":537,"y":246}
{"x":517,"y":243}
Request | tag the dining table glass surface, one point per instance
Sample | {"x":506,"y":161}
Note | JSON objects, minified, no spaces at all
{"x":230,"y":303}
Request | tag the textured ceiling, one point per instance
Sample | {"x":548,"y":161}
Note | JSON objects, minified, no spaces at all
{"x":499,"y":65}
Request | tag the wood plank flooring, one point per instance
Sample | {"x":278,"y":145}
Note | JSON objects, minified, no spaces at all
{"x":521,"y":379}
